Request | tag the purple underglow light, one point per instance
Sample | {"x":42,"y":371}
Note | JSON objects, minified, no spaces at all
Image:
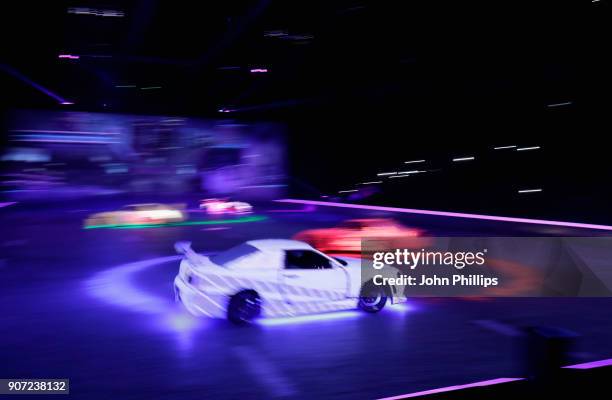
{"x":114,"y":286}
{"x":309,"y":318}
{"x":489,"y":382}
{"x":259,"y":70}
{"x":592,"y":364}
{"x":451,"y":214}
{"x":68,"y":56}
{"x":401,"y":308}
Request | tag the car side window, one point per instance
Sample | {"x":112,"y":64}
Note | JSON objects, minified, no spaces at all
{"x":305,"y":259}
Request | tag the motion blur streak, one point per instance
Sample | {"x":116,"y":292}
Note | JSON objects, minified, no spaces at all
{"x":12,"y":71}
{"x":451,"y":388}
{"x":114,"y":286}
{"x":452,"y":214}
{"x":254,"y":218}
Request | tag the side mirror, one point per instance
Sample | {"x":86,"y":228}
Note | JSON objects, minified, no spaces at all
{"x":341,"y":261}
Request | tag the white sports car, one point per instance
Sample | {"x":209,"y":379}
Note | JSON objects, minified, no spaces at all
{"x":274,"y":278}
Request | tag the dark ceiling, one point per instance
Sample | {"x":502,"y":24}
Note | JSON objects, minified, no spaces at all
{"x":186,"y":57}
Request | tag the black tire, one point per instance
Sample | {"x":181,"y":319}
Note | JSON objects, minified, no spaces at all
{"x":244,"y":307}
{"x":372,"y":298}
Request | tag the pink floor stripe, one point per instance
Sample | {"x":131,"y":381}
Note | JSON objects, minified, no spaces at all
{"x":592,"y":364}
{"x":451,"y":214}
{"x":489,"y":382}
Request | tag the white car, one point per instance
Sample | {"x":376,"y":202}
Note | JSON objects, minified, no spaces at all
{"x":274,"y":278}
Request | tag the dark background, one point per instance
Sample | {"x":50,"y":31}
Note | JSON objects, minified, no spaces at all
{"x":362,"y":87}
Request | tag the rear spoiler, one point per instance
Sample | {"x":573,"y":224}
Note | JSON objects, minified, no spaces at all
{"x":185,"y":249}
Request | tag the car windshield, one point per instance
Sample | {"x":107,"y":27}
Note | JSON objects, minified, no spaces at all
{"x":233,"y":254}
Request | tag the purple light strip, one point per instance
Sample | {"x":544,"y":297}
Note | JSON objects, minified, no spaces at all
{"x":68,"y":56}
{"x":592,"y":364}
{"x":259,"y":70}
{"x":451,"y":214}
{"x":23,"y":78}
{"x":66,"y":132}
{"x":331,"y":316}
{"x":489,"y":382}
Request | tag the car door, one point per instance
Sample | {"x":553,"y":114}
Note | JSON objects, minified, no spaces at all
{"x":309,"y":276}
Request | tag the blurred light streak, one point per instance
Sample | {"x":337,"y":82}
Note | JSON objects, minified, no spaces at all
{"x":12,"y":71}
{"x":347,"y":191}
{"x":63,"y":139}
{"x":400,"y":176}
{"x":416,"y":171}
{"x":309,"y":318}
{"x":66,"y":103}
{"x":68,"y":56}
{"x":386,"y":173}
{"x":65,"y":132}
{"x":370,"y":183}
{"x":8,"y":203}
{"x":125,"y":86}
{"x":528,"y":148}
{"x":253,"y":218}
{"x":258,"y":70}
{"x":96,"y":12}
{"x":451,"y":214}
{"x":504,"y":147}
{"x":150,"y":87}
{"x":489,"y":382}
{"x":463,"y":159}
{"x":566,"y":103}
{"x":529,"y":190}
{"x":414,"y":162}
{"x":81,"y":141}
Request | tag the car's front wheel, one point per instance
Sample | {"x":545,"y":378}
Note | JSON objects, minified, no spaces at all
{"x":372,"y":298}
{"x":244,"y":307}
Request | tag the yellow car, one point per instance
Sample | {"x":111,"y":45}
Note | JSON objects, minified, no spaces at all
{"x":134,"y":214}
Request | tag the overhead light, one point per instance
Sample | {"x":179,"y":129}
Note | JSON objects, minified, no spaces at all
{"x":414,"y":162}
{"x":66,"y":103}
{"x":529,"y":190}
{"x":259,"y":70}
{"x":347,"y":191}
{"x":463,"y":159}
{"x":416,"y":171}
{"x":68,"y":56}
{"x":370,"y":183}
{"x":125,"y":86}
{"x":528,"y":148}
{"x":150,"y":87}
{"x":386,"y":173}
{"x":504,"y":147}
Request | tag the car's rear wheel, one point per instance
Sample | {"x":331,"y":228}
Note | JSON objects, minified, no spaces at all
{"x":244,"y":307}
{"x":372,"y":298}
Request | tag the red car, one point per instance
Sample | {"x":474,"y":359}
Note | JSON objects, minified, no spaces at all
{"x":346,"y":237}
